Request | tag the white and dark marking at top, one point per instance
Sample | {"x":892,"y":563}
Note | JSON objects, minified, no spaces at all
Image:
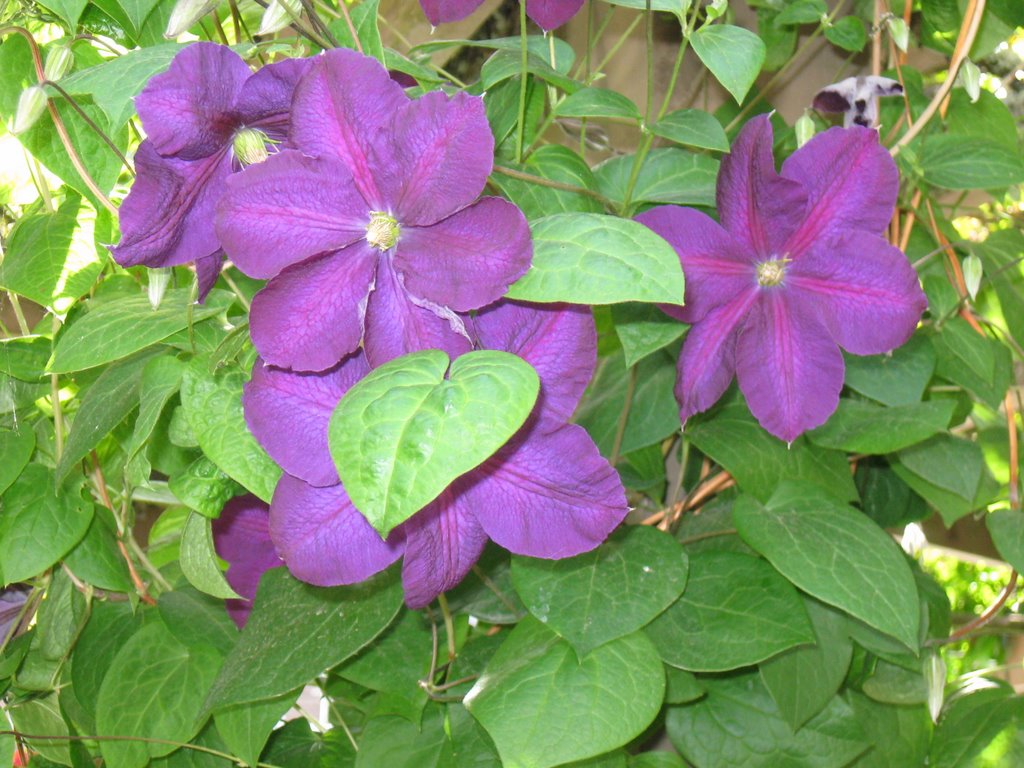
{"x":856,"y":98}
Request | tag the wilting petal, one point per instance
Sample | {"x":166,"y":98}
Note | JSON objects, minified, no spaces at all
{"x":167,"y":218}
{"x":241,"y":535}
{"x":286,"y":209}
{"x":788,"y":367}
{"x":187,"y":110}
{"x":311,"y":315}
{"x":546,"y":494}
{"x":757,"y":206}
{"x":444,"y":11}
{"x":851,"y":182}
{"x":289,"y":413}
{"x":558,"y":340}
{"x":716,"y":266}
{"x":469,"y":259}
{"x":436,"y":158}
{"x":323,"y":538}
{"x":442,"y":542}
{"x":550,"y":14}
{"x":708,"y":359}
{"x":342,"y":108}
{"x":397,"y":325}
{"x":265,"y":100}
{"x":863,"y":290}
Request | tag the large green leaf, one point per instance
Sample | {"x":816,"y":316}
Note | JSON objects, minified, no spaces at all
{"x":733,"y":54}
{"x":108,"y":630}
{"x":949,"y":472}
{"x":1000,"y":256}
{"x":96,"y":559}
{"x":542,"y":707}
{"x":402,"y":434}
{"x":604,"y":594}
{"x":1006,"y":527}
{"x":865,"y":428}
{"x":597,"y":102}
{"x":161,"y":378}
{"x":693,"y":128}
{"x":895,"y":379}
{"x":43,"y":717}
{"x":591,"y":258}
{"x":953,"y":162}
{"x":970,"y":721}
{"x":835,"y":553}
{"x":555,"y":163}
{"x":977,"y":363}
{"x":899,"y":735}
{"x":16,"y":447}
{"x":668,"y":175}
{"x":246,"y":727}
{"x":24,"y":357}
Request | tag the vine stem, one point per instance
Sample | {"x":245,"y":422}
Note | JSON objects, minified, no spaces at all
{"x":523,"y":75}
{"x":620,"y":429}
{"x":351,"y":27}
{"x":986,"y":617}
{"x":541,"y":181}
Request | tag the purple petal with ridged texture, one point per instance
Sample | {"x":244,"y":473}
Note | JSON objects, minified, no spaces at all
{"x":343,"y":107}
{"x":851,"y":182}
{"x":546,"y":494}
{"x":289,"y":412}
{"x":758,"y":207}
{"x":469,"y":259}
{"x":322,"y":537}
{"x":207,"y":271}
{"x":12,"y":601}
{"x":311,"y":315}
{"x":708,"y":359}
{"x":863,"y":289}
{"x":436,"y":157}
{"x":558,"y":340}
{"x":442,"y":542}
{"x":265,"y":100}
{"x":717,"y":267}
{"x":286,"y":209}
{"x":789,"y":369}
{"x":188,"y":111}
{"x":397,"y":323}
{"x":167,"y":217}
{"x":241,"y":535}
{"x":550,"y":14}
{"x":444,"y":11}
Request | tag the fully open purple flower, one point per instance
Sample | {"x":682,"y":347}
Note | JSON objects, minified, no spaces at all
{"x":548,"y":14}
{"x":205,"y":117}
{"x":374,"y":230}
{"x":241,"y":535}
{"x":547,"y":493}
{"x":796,"y":269}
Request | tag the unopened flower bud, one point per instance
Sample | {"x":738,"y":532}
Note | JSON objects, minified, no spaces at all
{"x":716,"y":9}
{"x":250,"y":146}
{"x":970,"y":79}
{"x":31,"y":104}
{"x":278,"y":15}
{"x":58,"y":62}
{"x":159,"y":279}
{"x":935,"y":678}
{"x":185,"y":14}
{"x":898,"y":32}
{"x":804,"y":129}
{"x":972,"y":275}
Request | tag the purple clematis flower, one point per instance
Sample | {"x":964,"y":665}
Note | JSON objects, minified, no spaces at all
{"x":374,"y":231}
{"x":241,"y":535}
{"x":547,"y":493}
{"x":12,"y":600}
{"x":206,"y":117}
{"x":548,"y":14}
{"x":796,"y":269}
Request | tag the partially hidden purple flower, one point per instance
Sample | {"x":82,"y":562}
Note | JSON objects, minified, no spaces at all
{"x":796,"y":269}
{"x":12,"y":601}
{"x":206,"y":117}
{"x":548,"y":14}
{"x":374,"y":231}
{"x":241,"y":536}
{"x":547,"y":493}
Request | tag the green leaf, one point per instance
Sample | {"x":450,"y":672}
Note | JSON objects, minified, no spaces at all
{"x":681,"y":686}
{"x":604,"y":594}
{"x":38,"y":527}
{"x":899,"y":736}
{"x":165,"y":682}
{"x":591,"y":258}
{"x":24,"y":357}
{"x":668,"y":175}
{"x":733,"y":54}
{"x":494,"y":601}
{"x":96,"y":558}
{"x":245,"y":728}
{"x":955,"y":162}
{"x":893,"y":684}
{"x":643,"y":329}
{"x":597,"y":102}
{"x":296,"y":631}
{"x":899,"y":378}
{"x":16,"y":447}
{"x":885,"y":498}
{"x":394,"y":741}
{"x":694,"y":128}
{"x":802,"y":12}
{"x":970,"y":721}
{"x":1000,"y":257}
{"x":677,"y":7}
{"x":736,"y":611}
{"x":204,"y":488}
{"x":542,"y":707}
{"x":505,"y":64}
{"x":402,"y":434}
{"x":68,"y":10}
{"x":108,"y":630}
{"x":161,"y":379}
{"x":949,"y":472}
{"x":847,"y":33}
{"x":199,"y":560}
{"x":51,"y":257}
{"x":656,"y":760}
{"x":973,"y":361}
{"x":212,"y":403}
{"x":1006,"y":526}
{"x":865,"y":428}
{"x":114,"y":330}
{"x":396,"y":661}
{"x":835,"y":553}
{"x":60,"y":618}
{"x":556,"y":163}
{"x":43,"y":717}
{"x":364,"y":19}
{"x":197,"y":619}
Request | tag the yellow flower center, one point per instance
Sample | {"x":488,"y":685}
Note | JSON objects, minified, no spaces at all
{"x":250,"y":146}
{"x":771,"y":272}
{"x":382,"y":231}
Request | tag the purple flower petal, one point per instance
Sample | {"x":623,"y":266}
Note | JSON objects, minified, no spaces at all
{"x":469,"y":259}
{"x":397,"y":324}
{"x":444,"y":11}
{"x":265,"y":100}
{"x":716,"y":266}
{"x":12,"y":599}
{"x":558,"y":340}
{"x":207,"y":271}
{"x":756,"y":205}
{"x":550,"y":14}
{"x":342,"y":108}
{"x":241,"y":535}
{"x":546,"y":494}
{"x":851,"y":182}
{"x":311,"y":315}
{"x":863,"y":290}
{"x":323,"y":538}
{"x":289,"y":413}
{"x":789,"y":369}
{"x":286,"y":209}
{"x":442,"y":542}
{"x":187,"y":111}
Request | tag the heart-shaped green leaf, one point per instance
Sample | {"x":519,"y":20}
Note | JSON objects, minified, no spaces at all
{"x":402,"y":434}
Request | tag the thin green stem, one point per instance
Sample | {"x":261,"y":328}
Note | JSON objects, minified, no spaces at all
{"x":620,"y":429}
{"x":91,"y":123}
{"x":523,"y":81}
{"x":18,"y":314}
{"x":707,"y":535}
{"x":541,"y":181}
{"x":449,"y":625}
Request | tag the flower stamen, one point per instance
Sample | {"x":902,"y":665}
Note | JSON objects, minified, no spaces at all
{"x":771,"y":272}
{"x":250,"y":146}
{"x":382,"y":231}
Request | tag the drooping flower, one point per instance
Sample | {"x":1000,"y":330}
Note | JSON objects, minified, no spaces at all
{"x":796,"y":269}
{"x":547,"y":493}
{"x":206,"y":117}
{"x":856,"y":98}
{"x":548,"y":14}
{"x":373,"y":231}
{"x":241,"y":536}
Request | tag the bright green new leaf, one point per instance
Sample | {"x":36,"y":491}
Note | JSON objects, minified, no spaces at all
{"x":597,"y":102}
{"x":643,"y":329}
{"x":694,"y":128}
{"x":970,"y":721}
{"x":668,"y":175}
{"x":733,"y":54}
{"x":847,"y":33}
{"x":16,"y":448}
{"x":199,"y":560}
